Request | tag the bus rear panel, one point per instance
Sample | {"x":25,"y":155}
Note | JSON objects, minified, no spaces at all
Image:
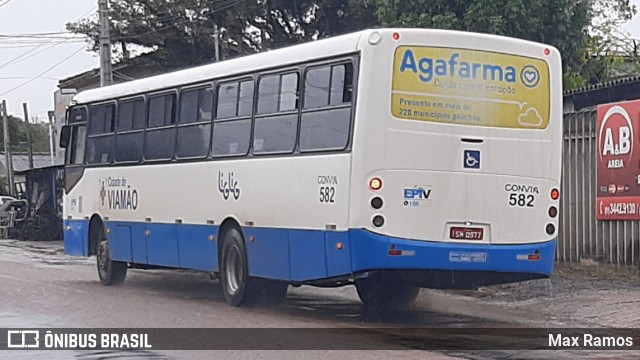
{"x":457,"y":154}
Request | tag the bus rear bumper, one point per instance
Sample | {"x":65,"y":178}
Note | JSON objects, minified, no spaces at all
{"x":451,"y":265}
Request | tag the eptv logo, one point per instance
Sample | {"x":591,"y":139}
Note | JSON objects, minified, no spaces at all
{"x":418,"y":193}
{"x":23,"y":339}
{"x":616,"y":137}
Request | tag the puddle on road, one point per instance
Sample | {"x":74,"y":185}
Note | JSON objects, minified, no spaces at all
{"x":50,"y":253}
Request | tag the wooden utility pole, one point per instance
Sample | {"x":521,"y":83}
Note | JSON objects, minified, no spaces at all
{"x":106,"y":74}
{"x":52,"y":135}
{"x":7,"y":149}
{"x":26,"y":120}
{"x":216,"y":41}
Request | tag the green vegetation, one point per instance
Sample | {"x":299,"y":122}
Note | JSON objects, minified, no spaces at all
{"x":181,"y":33}
{"x":18,"y":136}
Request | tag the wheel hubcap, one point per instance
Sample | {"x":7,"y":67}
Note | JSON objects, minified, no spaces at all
{"x":103,"y":257}
{"x":233,"y":270}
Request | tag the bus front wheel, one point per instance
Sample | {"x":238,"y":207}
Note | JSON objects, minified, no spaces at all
{"x":110,"y":272}
{"x":382,"y":290}
{"x":237,"y":286}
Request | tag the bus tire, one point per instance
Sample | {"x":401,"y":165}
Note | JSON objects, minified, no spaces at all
{"x":237,"y":286}
{"x":110,"y":272}
{"x":234,"y":268}
{"x":382,"y":291}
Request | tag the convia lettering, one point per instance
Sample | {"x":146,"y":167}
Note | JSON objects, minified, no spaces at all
{"x":328,"y":179}
{"x":530,"y":189}
{"x":427,"y":68}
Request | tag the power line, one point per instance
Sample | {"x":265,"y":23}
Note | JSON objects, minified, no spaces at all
{"x":22,"y":56}
{"x":25,"y":56}
{"x":5,"y":3}
{"x":47,"y":33}
{"x":27,"y":77}
{"x":44,"y":72}
{"x":62,"y":35}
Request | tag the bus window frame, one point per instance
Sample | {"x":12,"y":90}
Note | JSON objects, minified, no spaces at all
{"x":178,"y":110}
{"x":148,"y":129}
{"x":73,"y":147}
{"x":354,"y":62}
{"x":353,"y":58}
{"x":131,"y":131}
{"x":281,"y":72}
{"x":102,"y":135}
{"x":237,"y":79}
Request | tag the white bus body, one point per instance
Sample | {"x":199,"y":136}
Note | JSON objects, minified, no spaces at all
{"x":460,"y":132}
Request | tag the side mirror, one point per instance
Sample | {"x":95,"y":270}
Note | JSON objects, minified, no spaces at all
{"x":65,"y":136}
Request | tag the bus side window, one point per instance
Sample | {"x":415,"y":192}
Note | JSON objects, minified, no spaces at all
{"x":341,"y":84}
{"x":288,"y":92}
{"x":316,"y":87}
{"x":326,"y":115}
{"x":194,"y":122}
{"x":100,"y":141}
{"x":130,"y":125}
{"x":277,"y":97}
{"x":76,"y":120}
{"x":75,"y":153}
{"x":232,"y":126}
{"x":159,"y":143}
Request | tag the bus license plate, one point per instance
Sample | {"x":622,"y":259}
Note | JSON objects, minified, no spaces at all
{"x":464,"y":233}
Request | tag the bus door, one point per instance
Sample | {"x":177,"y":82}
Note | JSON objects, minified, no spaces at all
{"x":73,"y":138}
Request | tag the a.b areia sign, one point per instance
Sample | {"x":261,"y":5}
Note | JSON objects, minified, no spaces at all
{"x":618,"y":161}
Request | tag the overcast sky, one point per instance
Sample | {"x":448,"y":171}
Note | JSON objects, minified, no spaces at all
{"x":22,"y":62}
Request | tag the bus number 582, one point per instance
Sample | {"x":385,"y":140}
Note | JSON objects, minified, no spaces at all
{"x":521,"y":200}
{"x":327,"y":194}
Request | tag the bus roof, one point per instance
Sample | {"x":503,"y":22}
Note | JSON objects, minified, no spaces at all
{"x":334,"y":46}
{"x":293,"y":54}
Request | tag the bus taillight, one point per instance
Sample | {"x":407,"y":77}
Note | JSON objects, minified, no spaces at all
{"x":377,"y":203}
{"x":396,"y":36}
{"x":375,"y":184}
{"x":555,"y":194}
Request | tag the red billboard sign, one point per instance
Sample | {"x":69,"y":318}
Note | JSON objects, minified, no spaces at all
{"x":618,"y":160}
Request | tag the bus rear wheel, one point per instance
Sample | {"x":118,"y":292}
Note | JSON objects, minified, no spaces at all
{"x":384,"y":290}
{"x":110,"y":272}
{"x":237,"y":286}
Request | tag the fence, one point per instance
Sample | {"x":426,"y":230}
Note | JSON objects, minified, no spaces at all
{"x":580,"y":234}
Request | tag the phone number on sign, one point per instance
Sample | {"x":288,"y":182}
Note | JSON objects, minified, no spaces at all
{"x":621,"y":209}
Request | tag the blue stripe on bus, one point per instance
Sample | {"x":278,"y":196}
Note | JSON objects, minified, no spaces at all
{"x":75,"y":237}
{"x":371,"y":251}
{"x":304,"y":255}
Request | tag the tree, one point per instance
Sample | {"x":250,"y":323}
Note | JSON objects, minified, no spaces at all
{"x":181,"y":33}
{"x":18,"y":136}
{"x":566,"y":24}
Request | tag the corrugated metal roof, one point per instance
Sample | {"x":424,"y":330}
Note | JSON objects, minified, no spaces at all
{"x":603,"y":85}
{"x":21,"y":162}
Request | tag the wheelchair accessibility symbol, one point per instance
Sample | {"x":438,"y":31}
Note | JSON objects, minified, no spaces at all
{"x":471,"y":159}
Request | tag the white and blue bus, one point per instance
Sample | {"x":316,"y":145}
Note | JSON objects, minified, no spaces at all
{"x":392,"y":159}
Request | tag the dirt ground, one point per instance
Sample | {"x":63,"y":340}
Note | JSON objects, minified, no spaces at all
{"x":588,"y":294}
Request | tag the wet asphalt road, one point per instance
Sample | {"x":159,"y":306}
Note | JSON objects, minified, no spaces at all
{"x":41,"y":287}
